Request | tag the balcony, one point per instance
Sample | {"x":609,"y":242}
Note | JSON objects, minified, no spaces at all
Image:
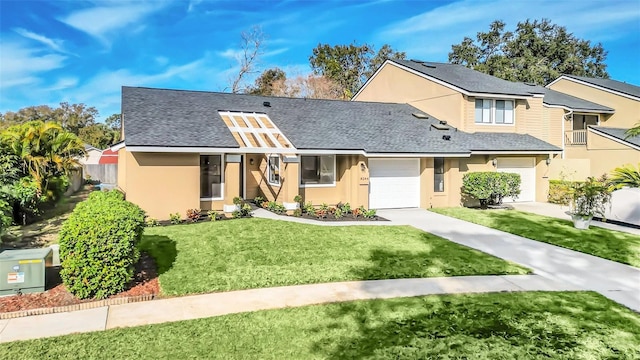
{"x":575,"y":137}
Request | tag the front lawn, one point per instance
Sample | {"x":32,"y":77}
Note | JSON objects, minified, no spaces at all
{"x":255,"y":253}
{"x":535,"y":325}
{"x":607,"y":244}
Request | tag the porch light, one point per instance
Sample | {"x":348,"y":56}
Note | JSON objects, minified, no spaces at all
{"x":548,"y":161}
{"x":494,"y":162}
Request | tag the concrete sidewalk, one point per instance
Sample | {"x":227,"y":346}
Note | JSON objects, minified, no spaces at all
{"x":560,"y":212}
{"x":208,"y":305}
{"x":616,"y":281}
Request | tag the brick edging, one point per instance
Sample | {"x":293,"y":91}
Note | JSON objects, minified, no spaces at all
{"x":75,"y":307}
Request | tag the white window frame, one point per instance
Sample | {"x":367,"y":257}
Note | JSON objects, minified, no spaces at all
{"x":311,"y":185}
{"x":274,"y":183}
{"x":492,"y":112}
{"x":222,"y":174}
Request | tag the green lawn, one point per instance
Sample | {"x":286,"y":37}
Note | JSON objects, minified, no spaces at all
{"x":254,"y":253}
{"x":535,"y":325}
{"x":608,"y":244}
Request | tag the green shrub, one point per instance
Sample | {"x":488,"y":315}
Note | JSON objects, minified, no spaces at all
{"x":213,"y":215}
{"x":151,"y":222}
{"x":276,"y":208}
{"x":258,"y":200}
{"x":175,"y":219}
{"x":98,"y":245}
{"x":5,"y":216}
{"x":369,"y":214}
{"x":309,"y":208}
{"x":338,"y":213}
{"x":244,"y":211}
{"x":491,"y":187}
{"x":560,"y":191}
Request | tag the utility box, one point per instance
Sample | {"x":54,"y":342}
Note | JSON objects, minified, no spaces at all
{"x":25,"y":271}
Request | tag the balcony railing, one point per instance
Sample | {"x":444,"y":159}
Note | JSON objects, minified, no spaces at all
{"x":576,"y":137}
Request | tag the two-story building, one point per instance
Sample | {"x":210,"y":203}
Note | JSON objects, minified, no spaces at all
{"x":585,"y":117}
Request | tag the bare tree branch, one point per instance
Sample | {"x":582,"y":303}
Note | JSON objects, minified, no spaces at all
{"x":252,"y":47}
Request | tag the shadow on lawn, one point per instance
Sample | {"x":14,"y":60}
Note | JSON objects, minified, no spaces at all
{"x":481,"y":326}
{"x":162,"y":249}
{"x":599,"y":242}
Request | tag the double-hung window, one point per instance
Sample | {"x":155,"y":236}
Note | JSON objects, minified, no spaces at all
{"x":274,"y":170}
{"x":490,"y":111}
{"x":211,"y":176}
{"x":318,"y":170}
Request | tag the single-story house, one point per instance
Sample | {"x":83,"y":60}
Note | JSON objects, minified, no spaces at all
{"x":193,"y":149}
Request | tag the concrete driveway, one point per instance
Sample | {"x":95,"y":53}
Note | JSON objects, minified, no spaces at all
{"x":616,"y":281}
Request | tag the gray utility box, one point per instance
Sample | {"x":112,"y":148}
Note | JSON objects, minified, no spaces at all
{"x":24,"y":271}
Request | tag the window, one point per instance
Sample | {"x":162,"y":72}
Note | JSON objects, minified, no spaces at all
{"x":494,"y":111}
{"x":318,"y":170}
{"x":211,"y":176}
{"x":438,"y":174}
{"x":274,"y":170}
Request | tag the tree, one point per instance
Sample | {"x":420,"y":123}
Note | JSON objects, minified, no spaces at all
{"x":99,"y":135}
{"x":251,"y":48}
{"x":44,"y":149}
{"x":350,"y":65}
{"x":114,"y":122}
{"x":74,"y":117}
{"x":633,"y":132}
{"x":267,"y":82}
{"x":537,"y":52}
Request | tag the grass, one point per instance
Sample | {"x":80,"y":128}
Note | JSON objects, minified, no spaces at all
{"x":535,"y":325}
{"x":607,"y":244}
{"x":255,"y":253}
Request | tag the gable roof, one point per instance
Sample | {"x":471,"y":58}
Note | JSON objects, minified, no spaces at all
{"x":609,"y":85}
{"x":181,"y":118}
{"x":618,"y":135}
{"x":556,"y":98}
{"x":467,"y":80}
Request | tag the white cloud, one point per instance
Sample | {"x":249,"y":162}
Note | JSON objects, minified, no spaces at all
{"x":63,"y":83}
{"x":54,"y":44}
{"x":193,"y":4}
{"x":21,"y":65}
{"x":102,"y":20}
{"x":431,"y":34}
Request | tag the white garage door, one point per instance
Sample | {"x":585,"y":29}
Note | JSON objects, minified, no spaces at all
{"x":394,"y":183}
{"x":526,"y":168}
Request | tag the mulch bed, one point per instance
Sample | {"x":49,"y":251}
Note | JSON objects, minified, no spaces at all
{"x":145,"y":282}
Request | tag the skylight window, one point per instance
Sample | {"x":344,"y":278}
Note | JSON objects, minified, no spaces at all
{"x":255,"y":130}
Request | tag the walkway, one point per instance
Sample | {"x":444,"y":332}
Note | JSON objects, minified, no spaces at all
{"x":559,"y":211}
{"x":616,"y":281}
{"x":208,"y":305}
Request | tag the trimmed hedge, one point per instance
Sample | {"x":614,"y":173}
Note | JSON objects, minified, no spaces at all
{"x":491,"y":187}
{"x":98,"y":245}
{"x":560,"y":191}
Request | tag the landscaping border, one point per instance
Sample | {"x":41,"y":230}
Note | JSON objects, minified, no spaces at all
{"x":81,"y":306}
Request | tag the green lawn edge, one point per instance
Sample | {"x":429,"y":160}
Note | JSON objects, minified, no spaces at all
{"x":257,"y":253}
{"x":531,"y":325}
{"x":604,"y":243}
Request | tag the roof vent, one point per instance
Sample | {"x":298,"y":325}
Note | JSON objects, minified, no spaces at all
{"x":443,"y":122}
{"x":420,"y":115}
{"x":429,"y":66}
{"x":530,"y":84}
{"x":446,"y":137}
{"x":266,"y":104}
{"x":440,"y":127}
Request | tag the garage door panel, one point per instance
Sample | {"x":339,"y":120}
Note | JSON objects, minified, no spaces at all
{"x":394,"y":183}
{"x":525,"y":167}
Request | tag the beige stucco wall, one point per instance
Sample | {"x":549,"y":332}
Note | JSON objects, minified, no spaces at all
{"x":393,"y":84}
{"x":627,"y":111}
{"x":257,"y":181}
{"x":163,"y":183}
{"x":604,"y":154}
{"x":569,"y":169}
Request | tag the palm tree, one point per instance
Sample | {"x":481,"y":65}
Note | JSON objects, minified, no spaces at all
{"x":45,"y":149}
{"x":634,"y":131}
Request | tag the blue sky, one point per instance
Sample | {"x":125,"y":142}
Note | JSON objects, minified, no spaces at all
{"x":84,"y":51}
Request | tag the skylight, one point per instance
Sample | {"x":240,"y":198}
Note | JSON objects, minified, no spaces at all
{"x":255,"y":130}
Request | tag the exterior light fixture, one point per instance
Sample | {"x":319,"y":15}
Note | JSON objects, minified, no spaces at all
{"x":494,"y":162}
{"x":548,"y":161}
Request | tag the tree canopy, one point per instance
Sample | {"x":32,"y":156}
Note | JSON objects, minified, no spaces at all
{"x":78,"y":119}
{"x":537,"y":52}
{"x":350,"y":65}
